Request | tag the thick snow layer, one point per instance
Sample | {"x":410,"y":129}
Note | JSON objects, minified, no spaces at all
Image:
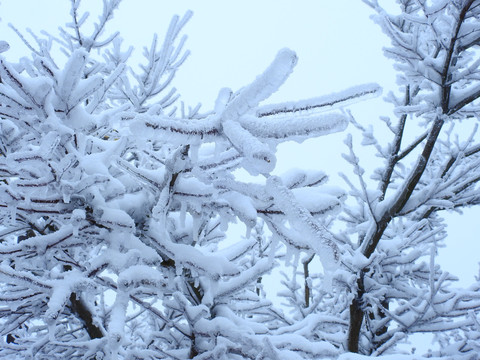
{"x":352,"y":356}
{"x":262,"y":87}
{"x":299,"y":177}
{"x":209,"y":264}
{"x":117,"y":218}
{"x":279,"y":129}
{"x":314,"y":233}
{"x":316,"y":200}
{"x":258,"y":157}
{"x":324,"y":103}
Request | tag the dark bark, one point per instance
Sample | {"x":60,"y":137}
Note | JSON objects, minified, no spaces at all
{"x":259,"y":283}
{"x":356,"y":317}
{"x":397,"y":142}
{"x":84,"y":314}
{"x":379,"y":339}
{"x":11,"y":339}
{"x":306,"y":275}
{"x":193,"y":349}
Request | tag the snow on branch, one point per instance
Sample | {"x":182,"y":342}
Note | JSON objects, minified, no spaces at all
{"x":323,"y":103}
{"x":315,"y":234}
{"x":262,"y":87}
{"x":178,"y":131}
{"x":299,"y":128}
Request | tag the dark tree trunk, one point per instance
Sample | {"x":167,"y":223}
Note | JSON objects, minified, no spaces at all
{"x":83,"y":313}
{"x":356,"y":317}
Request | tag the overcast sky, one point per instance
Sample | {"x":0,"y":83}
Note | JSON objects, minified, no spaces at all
{"x":231,"y":42}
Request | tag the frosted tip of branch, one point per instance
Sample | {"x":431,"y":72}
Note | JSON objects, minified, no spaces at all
{"x":4,"y":46}
{"x":288,"y":56}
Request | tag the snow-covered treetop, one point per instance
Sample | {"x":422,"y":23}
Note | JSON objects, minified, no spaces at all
{"x":114,"y":199}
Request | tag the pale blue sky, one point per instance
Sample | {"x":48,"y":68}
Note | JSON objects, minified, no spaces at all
{"x":233,"y":41}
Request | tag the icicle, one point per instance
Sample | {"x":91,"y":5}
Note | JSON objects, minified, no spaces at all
{"x":273,"y":248}
{"x":223,"y":224}
{"x":248,"y":231}
{"x":289,"y":254}
{"x":194,"y":152}
{"x":183,"y":213}
{"x":327,"y":281}
{"x":158,"y":211}
{"x":67,"y":191}
{"x":78,"y":215}
{"x":178,"y":270}
{"x":195,"y":228}
{"x":218,"y":149}
{"x":13,"y":213}
{"x":296,"y":258}
{"x":27,"y":200}
{"x":51,"y":330}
